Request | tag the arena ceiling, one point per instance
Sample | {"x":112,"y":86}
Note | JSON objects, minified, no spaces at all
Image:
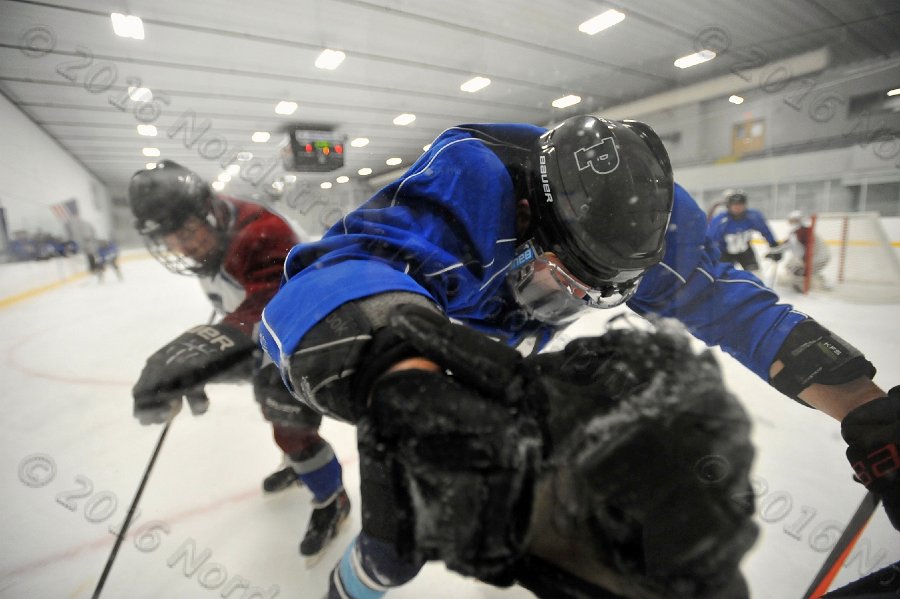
{"x":218,"y":69}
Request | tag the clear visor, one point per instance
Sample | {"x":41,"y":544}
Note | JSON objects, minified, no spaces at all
{"x":550,"y":294}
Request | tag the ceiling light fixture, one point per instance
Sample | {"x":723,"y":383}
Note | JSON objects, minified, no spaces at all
{"x":139,"y":94}
{"x":692,"y":60}
{"x":147,"y":130}
{"x":285,"y":107}
{"x":127,"y":25}
{"x":364,"y":171}
{"x":359,"y":142}
{"x":894,"y":92}
{"x":404,"y":119}
{"x":602,"y":21}
{"x":218,"y":185}
{"x":566,"y":101}
{"x":330,"y":59}
{"x":325,"y":185}
{"x":342,"y":179}
{"x":736,"y":100}
{"x":394,"y":161}
{"x":260,"y":137}
{"x":474,"y":84}
{"x":151,"y":152}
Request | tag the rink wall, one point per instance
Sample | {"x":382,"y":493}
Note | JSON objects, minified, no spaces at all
{"x":37,"y":172}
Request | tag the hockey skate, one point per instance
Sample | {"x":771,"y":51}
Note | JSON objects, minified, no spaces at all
{"x":324,"y":524}
{"x":280,"y":480}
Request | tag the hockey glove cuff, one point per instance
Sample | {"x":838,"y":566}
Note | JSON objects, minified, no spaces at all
{"x":812,"y":354}
{"x":872,"y":433}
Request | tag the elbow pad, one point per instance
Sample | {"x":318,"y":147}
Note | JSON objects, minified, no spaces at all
{"x":325,"y":370}
{"x":812,"y":354}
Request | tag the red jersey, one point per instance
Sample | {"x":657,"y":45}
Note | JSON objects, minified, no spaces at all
{"x":257,"y":242}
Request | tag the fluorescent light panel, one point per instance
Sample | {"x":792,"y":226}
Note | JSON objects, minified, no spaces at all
{"x":151,"y":152}
{"x":566,"y":101}
{"x":404,"y":119}
{"x":147,"y":130}
{"x":286,"y":107}
{"x":139,"y":94}
{"x":260,"y":137}
{"x":330,"y":59}
{"x":393,"y":161}
{"x":602,"y":21}
{"x":325,"y":185}
{"x":359,"y":142}
{"x":474,"y":84}
{"x":692,"y":60}
{"x":364,"y":171}
{"x":894,"y":92}
{"x":736,"y":100}
{"x":127,"y":25}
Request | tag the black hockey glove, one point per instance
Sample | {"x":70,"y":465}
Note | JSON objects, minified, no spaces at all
{"x":872,"y":433}
{"x":203,"y":354}
{"x":776,"y":251}
{"x":639,"y":445}
{"x":454,"y":459}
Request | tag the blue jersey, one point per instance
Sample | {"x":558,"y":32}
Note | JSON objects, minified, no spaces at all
{"x":732,"y":235}
{"x":446,"y":229}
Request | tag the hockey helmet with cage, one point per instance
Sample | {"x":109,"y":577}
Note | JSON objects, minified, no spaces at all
{"x":601,"y":194}
{"x":162,"y":199}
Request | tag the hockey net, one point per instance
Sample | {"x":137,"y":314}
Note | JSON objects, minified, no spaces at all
{"x":861,"y":264}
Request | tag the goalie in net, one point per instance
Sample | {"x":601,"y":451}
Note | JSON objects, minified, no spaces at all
{"x":848,"y":254}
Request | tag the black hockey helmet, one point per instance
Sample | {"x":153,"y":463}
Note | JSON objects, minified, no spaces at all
{"x":602,"y":192}
{"x":162,"y":198}
{"x":733,"y":197}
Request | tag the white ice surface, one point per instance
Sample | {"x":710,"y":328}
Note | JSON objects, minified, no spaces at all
{"x":71,"y":352}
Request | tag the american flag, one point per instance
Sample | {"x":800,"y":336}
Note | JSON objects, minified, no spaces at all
{"x":66,"y":211}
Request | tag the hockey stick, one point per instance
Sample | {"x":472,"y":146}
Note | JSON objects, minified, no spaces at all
{"x":772,"y":278}
{"x":121,"y":536}
{"x":843,"y":547}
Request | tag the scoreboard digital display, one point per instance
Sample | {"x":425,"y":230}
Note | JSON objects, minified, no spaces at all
{"x":307,"y":151}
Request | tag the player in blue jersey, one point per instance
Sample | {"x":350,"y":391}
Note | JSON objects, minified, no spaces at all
{"x":732,"y":231}
{"x":486,"y":460}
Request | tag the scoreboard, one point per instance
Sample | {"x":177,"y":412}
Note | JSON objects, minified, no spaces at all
{"x":306,"y":151}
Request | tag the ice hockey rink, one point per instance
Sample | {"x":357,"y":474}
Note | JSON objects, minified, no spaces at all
{"x":72,"y":457}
